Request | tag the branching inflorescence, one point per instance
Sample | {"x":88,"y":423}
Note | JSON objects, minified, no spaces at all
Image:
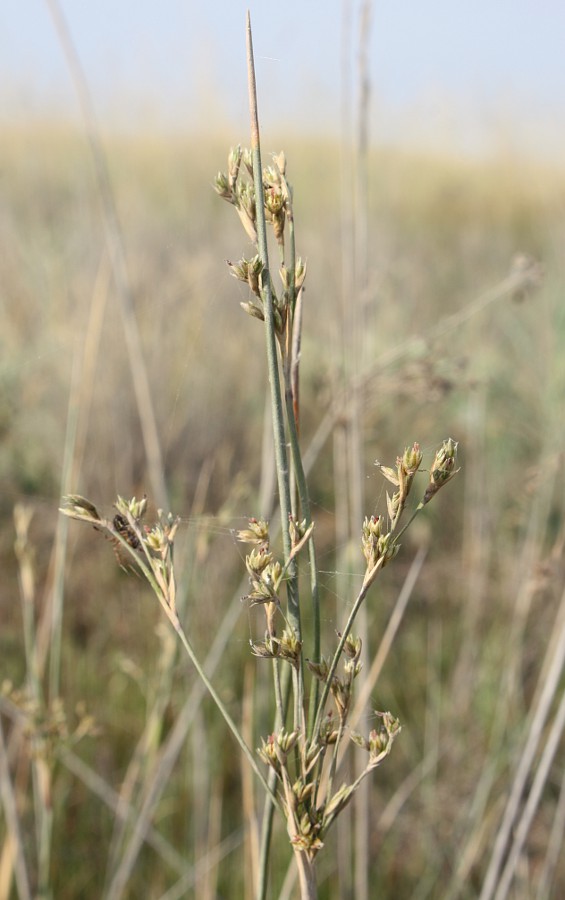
{"x":298,"y":755}
{"x":302,"y":755}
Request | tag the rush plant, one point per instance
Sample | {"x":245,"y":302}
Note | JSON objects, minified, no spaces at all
{"x":298,"y":763}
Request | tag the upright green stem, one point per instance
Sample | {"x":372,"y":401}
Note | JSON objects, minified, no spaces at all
{"x":305,"y":869}
{"x":272,"y":360}
{"x":269,"y":807}
{"x":266,"y":833}
{"x":291,"y":369}
{"x":306,"y":514}
{"x":281,"y":457}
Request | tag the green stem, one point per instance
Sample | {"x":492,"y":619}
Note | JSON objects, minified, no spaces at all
{"x":292,"y":258}
{"x":219,"y":703}
{"x":291,"y":403}
{"x":281,"y":459}
{"x":272,"y":358}
{"x":266,"y":833}
{"x":418,"y":509}
{"x":269,"y":809}
{"x":367,"y":582}
{"x":306,"y":514}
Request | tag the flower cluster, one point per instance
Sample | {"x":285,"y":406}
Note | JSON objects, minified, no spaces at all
{"x":237,"y":188}
{"x":266,"y":575}
{"x":150,"y":548}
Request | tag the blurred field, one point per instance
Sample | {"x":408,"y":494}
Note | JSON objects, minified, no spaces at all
{"x":471,"y":656}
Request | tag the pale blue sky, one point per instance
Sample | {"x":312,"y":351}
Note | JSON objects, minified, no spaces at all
{"x":453,"y":71}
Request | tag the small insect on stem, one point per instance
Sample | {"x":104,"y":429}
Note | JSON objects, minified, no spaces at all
{"x":124,"y":527}
{"x":125,"y":530}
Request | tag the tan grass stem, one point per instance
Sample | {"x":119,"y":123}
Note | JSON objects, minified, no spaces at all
{"x":540,"y":779}
{"x":117,"y":885}
{"x":159,"y":775}
{"x":115,"y":245}
{"x":526,"y":759}
{"x":554,"y":846}
{"x":100,"y":788}
{"x":13,"y":822}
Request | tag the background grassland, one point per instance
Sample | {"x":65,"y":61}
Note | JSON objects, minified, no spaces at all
{"x":463,"y":674}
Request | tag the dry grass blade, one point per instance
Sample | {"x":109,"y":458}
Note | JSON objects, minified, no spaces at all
{"x":521,"y":832}
{"x":117,"y":257}
{"x":13,"y":822}
{"x":556,"y":659}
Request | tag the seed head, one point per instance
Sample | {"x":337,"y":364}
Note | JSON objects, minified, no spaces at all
{"x":249,"y":271}
{"x":319,"y":669}
{"x":275,"y":749}
{"x":77,"y":507}
{"x":412,"y":459}
{"x":339,"y":800}
{"x":443,"y":468}
{"x":222,"y":187}
{"x":256,"y":533}
{"x":352,"y":647}
{"x":279,"y":160}
{"x":234,"y":160}
{"x":377,"y":545}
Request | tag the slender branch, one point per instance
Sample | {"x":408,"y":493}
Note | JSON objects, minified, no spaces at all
{"x":367,"y":582}
{"x":220,"y":704}
{"x":272,"y":359}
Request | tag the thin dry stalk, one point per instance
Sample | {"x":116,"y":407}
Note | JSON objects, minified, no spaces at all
{"x":389,"y":635}
{"x":478,"y":546}
{"x":41,"y":767}
{"x":80,"y":396}
{"x":554,"y":847}
{"x":145,"y":758}
{"x":90,"y":355}
{"x":141,"y":772}
{"x":117,"y":256}
{"x":475,"y":817}
{"x":100,"y":788}
{"x":403,"y":793}
{"x":188,"y":882}
{"x":13,"y":822}
{"x":209,"y":890}
{"x":176,"y":739}
{"x":526,"y":759}
{"x":530,"y":808}
{"x":355,"y":353}
{"x":55,"y":620}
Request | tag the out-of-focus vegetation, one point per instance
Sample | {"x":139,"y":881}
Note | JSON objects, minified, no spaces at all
{"x":468,"y":663}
